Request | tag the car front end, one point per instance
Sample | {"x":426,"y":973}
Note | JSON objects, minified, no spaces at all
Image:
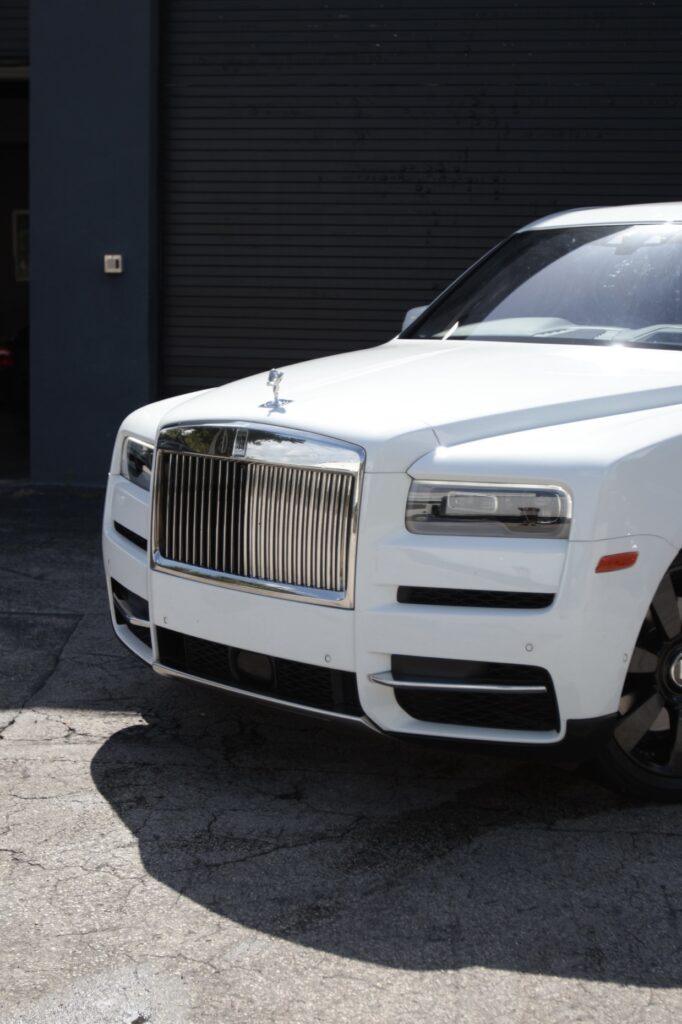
{"x":448,"y":538}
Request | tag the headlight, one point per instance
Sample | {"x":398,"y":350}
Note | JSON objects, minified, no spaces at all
{"x":487,"y":510}
{"x":137,"y":458}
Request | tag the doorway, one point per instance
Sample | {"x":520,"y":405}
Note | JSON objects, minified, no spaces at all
{"x":14,"y":281}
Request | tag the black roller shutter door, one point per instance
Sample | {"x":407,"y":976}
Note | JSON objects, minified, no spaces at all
{"x":326,"y":164}
{"x":13,"y":33}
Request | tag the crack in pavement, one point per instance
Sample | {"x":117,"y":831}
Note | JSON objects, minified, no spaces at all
{"x":43,"y":681}
{"x":23,"y":575}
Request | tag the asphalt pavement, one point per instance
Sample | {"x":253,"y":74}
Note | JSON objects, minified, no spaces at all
{"x":170,"y":855}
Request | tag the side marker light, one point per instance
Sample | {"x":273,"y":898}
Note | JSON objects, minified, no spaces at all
{"x":612,"y":563}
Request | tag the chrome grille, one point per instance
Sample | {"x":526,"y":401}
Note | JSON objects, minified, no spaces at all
{"x":266,"y":524}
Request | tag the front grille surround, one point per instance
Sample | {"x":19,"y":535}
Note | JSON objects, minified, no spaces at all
{"x":258,"y":508}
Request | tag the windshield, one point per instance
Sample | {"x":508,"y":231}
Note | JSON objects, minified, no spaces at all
{"x":590,"y":285}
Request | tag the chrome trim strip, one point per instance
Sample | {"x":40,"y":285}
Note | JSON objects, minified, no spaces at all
{"x":131,"y":620}
{"x":173,"y":673}
{"x":291,"y":543}
{"x":248,"y":583}
{"x":266,"y":444}
{"x":386,"y":679}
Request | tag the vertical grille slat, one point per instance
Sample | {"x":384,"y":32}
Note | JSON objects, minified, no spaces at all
{"x":259,"y":524}
{"x":332,"y":528}
{"x":192,"y":504}
{"x":295,"y":552}
{"x":229,"y":536}
{"x":288,"y":525}
{"x":276,"y":526}
{"x":323,"y":532}
{"x":210,"y":513}
{"x":172,"y":493}
{"x":267,"y":527}
{"x":343,"y":539}
{"x":317,"y":530}
{"x":203,"y":510}
{"x":216,"y":522}
{"x":310,"y":533}
{"x":185,"y":518}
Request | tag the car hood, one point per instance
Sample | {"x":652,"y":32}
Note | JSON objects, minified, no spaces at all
{"x":402,"y":399}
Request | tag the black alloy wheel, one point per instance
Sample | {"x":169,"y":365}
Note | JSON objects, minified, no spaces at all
{"x":644,"y":755}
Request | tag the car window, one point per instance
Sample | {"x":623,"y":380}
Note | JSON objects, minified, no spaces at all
{"x":602,"y":284}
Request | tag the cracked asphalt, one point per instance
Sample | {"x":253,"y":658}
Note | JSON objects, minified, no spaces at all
{"x":172,"y":856}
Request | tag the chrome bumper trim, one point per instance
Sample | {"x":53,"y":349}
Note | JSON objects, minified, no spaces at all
{"x":386,"y":679}
{"x":130,"y":620}
{"x":266,"y":588}
{"x":172,"y":673}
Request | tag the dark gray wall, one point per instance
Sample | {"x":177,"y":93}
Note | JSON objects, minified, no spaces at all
{"x":93,"y":181}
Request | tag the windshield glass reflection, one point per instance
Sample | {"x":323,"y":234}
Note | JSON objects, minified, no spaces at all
{"x":591,"y":285}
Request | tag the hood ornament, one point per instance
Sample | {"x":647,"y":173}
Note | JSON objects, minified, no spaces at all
{"x":274,"y":381}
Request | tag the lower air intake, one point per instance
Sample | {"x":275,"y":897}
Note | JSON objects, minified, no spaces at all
{"x":447,"y":598}
{"x":490,"y":707}
{"x":294,"y":682}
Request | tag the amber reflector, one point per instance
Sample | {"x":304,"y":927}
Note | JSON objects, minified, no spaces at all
{"x":612,"y":563}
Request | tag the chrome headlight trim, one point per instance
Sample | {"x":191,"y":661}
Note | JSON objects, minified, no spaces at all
{"x":467,"y":509}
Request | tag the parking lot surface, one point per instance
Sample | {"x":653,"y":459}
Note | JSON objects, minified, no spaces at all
{"x":173,"y":856}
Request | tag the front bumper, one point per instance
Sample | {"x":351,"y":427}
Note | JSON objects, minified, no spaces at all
{"x":583,"y":639}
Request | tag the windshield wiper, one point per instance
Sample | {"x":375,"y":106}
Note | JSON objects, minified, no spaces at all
{"x":639,"y":337}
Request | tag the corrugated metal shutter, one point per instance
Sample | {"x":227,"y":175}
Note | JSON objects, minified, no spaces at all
{"x":13,"y":33}
{"x":328,"y":163}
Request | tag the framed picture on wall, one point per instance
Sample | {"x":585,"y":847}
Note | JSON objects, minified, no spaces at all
{"x":20,"y":245}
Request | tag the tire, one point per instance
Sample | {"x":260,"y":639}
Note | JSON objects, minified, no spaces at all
{"x":644,"y":756}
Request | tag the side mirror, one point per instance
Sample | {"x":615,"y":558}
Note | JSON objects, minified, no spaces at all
{"x":411,"y":316}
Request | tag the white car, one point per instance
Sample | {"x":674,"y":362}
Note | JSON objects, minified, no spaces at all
{"x":472,"y":533}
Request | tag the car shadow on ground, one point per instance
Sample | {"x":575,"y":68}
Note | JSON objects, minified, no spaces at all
{"x":401,"y":856}
{"x":332,"y":839}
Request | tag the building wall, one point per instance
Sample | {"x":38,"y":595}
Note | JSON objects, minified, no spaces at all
{"x":324,"y":164}
{"x":93,"y":187}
